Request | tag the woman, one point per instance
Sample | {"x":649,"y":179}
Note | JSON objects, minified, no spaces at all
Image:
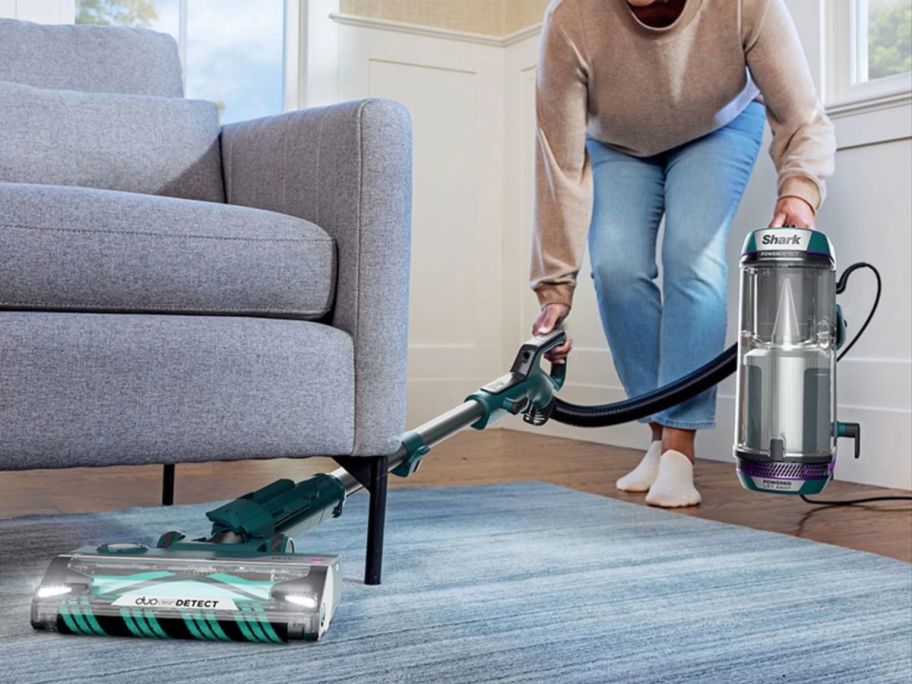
{"x":656,"y":108}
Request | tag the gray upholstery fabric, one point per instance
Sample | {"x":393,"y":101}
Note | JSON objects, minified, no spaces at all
{"x":90,"y":58}
{"x":105,"y":388}
{"x":135,"y":143}
{"x":347,"y":168}
{"x":102,"y":389}
{"x":84,"y":249}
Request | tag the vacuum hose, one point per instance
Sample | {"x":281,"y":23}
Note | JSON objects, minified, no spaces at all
{"x":689,"y":386}
{"x":648,"y":404}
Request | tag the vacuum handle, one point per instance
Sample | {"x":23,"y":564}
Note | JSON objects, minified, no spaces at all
{"x":530,"y":355}
{"x":533,"y":349}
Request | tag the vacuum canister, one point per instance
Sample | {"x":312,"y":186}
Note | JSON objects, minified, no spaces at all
{"x":789,"y":331}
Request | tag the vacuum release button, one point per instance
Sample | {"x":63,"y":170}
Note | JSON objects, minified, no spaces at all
{"x":500,"y":384}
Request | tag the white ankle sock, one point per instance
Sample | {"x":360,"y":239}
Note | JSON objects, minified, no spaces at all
{"x":641,"y":478}
{"x":673,"y":486}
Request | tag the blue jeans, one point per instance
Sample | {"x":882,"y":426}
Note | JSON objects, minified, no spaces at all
{"x":658,"y":336}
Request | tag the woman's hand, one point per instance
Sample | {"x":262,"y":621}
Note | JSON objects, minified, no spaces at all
{"x":551,"y":316}
{"x":792,"y":211}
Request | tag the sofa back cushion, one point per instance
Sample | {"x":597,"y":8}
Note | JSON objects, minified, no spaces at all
{"x":135,"y":143}
{"x":101,"y":59}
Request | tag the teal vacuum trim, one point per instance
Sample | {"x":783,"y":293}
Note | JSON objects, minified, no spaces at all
{"x":244,"y":581}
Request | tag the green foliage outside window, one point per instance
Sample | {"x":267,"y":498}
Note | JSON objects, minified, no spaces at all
{"x":889,"y":37}
{"x":139,"y":13}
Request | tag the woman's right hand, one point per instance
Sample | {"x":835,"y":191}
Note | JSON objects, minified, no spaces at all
{"x":551,"y":316}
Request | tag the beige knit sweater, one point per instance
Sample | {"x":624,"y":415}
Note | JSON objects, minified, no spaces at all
{"x":642,"y":90}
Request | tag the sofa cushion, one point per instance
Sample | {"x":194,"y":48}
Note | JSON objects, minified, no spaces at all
{"x":79,"y":249}
{"x":104,"y":59}
{"x":103,"y":389}
{"x":136,"y":143}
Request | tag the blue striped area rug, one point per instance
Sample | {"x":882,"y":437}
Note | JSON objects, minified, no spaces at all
{"x":523,"y":582}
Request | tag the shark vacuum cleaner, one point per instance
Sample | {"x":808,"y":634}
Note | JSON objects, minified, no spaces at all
{"x":245,"y":582}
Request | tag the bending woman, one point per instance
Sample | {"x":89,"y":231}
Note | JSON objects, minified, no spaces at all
{"x":652,"y":109}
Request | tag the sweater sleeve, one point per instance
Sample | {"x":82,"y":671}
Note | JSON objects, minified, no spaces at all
{"x":563,"y":176}
{"x":803,"y":146}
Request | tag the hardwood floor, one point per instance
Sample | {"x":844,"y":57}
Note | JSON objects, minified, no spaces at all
{"x":480,"y":458}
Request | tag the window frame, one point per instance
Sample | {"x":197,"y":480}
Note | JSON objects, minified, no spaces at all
{"x":294,"y":34}
{"x":846,"y":57}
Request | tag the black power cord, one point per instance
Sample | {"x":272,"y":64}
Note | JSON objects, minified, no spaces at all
{"x":840,"y":288}
{"x":852,"y":502}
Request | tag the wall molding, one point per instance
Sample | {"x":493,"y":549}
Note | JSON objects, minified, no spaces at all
{"x":435,"y":32}
{"x":522,"y":34}
{"x":841,"y":110}
{"x":873,"y":122}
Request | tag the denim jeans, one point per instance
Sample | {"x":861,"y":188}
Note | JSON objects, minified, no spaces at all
{"x":658,"y":336}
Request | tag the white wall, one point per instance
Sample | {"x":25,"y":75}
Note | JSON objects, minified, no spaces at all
{"x":474,"y":128}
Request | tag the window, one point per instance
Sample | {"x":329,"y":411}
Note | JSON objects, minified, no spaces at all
{"x":233,"y":51}
{"x":883,"y":34}
{"x":871,"y":49}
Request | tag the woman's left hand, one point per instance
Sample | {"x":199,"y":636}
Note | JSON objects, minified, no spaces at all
{"x":792,"y":211}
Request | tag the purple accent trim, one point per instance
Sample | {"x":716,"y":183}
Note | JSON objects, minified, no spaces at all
{"x":779,"y":477}
{"x":779,"y":470}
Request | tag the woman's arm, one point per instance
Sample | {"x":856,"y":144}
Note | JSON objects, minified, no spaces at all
{"x":563,"y":179}
{"x":803,"y":146}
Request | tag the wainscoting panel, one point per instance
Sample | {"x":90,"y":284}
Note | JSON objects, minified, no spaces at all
{"x":453,"y":90}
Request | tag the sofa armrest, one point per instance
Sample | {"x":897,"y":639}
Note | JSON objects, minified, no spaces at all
{"x":347,"y":168}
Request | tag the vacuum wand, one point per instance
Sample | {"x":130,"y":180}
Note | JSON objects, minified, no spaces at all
{"x":430,"y":433}
{"x":259,"y":521}
{"x":526,"y":389}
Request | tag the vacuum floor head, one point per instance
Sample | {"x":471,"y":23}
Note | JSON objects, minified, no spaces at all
{"x":133,"y":590}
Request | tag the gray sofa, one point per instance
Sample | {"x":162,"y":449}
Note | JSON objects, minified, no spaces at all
{"x":172,"y":290}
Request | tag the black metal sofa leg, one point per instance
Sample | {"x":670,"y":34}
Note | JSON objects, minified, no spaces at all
{"x":372,"y":473}
{"x":168,"y":484}
{"x":376,"y":520}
